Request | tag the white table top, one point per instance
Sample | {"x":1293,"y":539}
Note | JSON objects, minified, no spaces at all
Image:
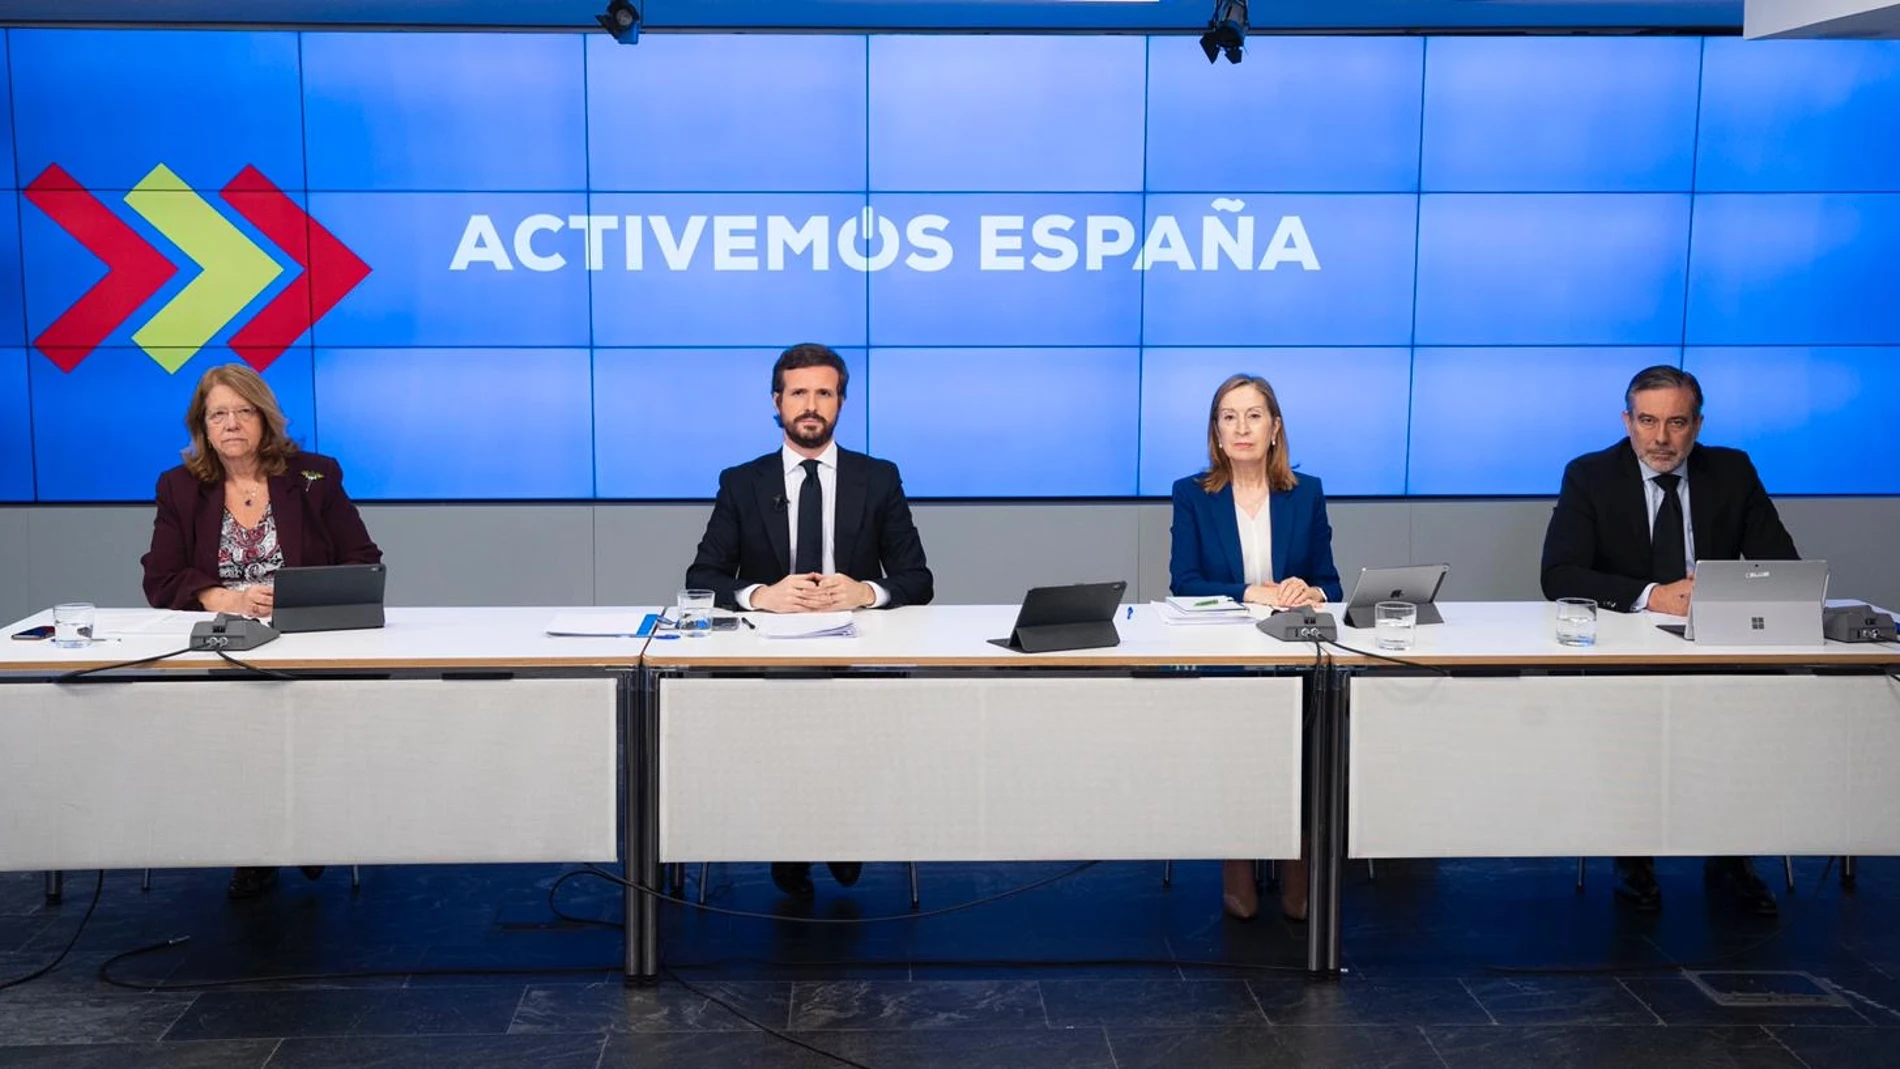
{"x":1475,"y":633}
{"x":413,"y":638}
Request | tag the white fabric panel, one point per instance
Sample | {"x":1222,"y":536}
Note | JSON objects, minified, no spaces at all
{"x":166,"y":774}
{"x":978,"y":769}
{"x":1609,"y":765}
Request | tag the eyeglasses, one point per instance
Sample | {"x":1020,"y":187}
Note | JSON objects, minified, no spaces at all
{"x":245,"y":414}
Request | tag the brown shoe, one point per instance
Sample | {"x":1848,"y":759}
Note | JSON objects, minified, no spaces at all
{"x":1293,"y":890}
{"x":1239,"y":899}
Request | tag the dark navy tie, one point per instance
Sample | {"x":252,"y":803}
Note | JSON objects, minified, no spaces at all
{"x":811,"y":523}
{"x":1667,"y":556}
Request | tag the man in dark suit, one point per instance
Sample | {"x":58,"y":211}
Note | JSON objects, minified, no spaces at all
{"x":1629,"y":525}
{"x":811,"y":527}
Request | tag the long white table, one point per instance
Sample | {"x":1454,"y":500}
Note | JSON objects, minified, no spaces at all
{"x":1643,"y":744}
{"x":451,"y":735}
{"x":919,"y":740}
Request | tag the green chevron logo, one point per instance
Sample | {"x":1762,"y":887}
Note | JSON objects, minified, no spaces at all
{"x":234,"y":271}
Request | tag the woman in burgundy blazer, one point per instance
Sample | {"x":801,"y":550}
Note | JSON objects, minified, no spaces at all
{"x":239,"y":465}
{"x":245,"y":503}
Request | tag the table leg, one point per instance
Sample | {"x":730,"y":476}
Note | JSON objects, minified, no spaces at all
{"x":642,"y":847}
{"x":1325,"y":813}
{"x":55,"y":887}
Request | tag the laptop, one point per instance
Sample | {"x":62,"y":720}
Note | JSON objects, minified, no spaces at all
{"x":1756,"y":603}
{"x":334,"y":597}
{"x":1416,"y":583}
{"x":1076,"y":617}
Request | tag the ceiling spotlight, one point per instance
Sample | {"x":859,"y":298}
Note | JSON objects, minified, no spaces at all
{"x":1226,"y":31}
{"x":623,"y":21}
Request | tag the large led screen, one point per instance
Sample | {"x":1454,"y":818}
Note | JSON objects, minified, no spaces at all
{"x":496,"y":266}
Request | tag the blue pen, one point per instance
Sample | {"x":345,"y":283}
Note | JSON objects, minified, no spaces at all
{"x":1131,"y":613}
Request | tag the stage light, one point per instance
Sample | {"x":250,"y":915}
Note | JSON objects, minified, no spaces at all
{"x":622,"y":20}
{"x":1226,"y":31}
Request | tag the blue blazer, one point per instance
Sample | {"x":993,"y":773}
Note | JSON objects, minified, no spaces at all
{"x":1204,"y":557}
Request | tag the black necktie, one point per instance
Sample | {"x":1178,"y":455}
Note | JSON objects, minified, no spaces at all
{"x":811,"y":523}
{"x":1667,"y":557}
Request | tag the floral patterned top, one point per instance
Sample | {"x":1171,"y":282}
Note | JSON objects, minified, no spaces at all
{"x":248,"y":555}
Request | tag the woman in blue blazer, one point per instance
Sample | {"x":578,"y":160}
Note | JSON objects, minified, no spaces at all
{"x":1249,"y":529}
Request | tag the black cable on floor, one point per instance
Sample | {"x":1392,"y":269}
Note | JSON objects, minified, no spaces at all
{"x":70,"y":943}
{"x":786,"y":1037}
{"x":105,"y":972}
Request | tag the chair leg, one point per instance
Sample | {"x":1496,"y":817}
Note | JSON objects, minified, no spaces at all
{"x":1167,"y":874}
{"x":1848,"y":876}
{"x":1259,"y":871}
{"x":676,"y":879}
{"x":1787,"y":868}
{"x":145,"y":881}
{"x":356,"y":879}
{"x":705,"y":867}
{"x":1580,"y":862}
{"x":913,"y":886}
{"x":1372,"y":871}
{"x":55,"y":887}
{"x":1273,"y":875}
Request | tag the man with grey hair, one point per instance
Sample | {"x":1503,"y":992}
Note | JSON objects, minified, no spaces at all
{"x":1630,"y":523}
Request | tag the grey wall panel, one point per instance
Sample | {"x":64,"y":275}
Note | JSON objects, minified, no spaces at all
{"x":16,"y":564}
{"x":1494,"y":547}
{"x":1369,"y":534}
{"x":1152,"y":524}
{"x":1859,"y":537}
{"x":641,"y":551}
{"x":991,"y":554}
{"x":486,"y":554}
{"x":84,"y":553}
{"x":621,"y":554}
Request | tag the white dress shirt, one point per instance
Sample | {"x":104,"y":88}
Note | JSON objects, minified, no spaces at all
{"x":1654,"y":495}
{"x":794,"y":463}
{"x":1256,"y":544}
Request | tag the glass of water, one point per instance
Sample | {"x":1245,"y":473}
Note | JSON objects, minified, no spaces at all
{"x":72,"y":624}
{"x":695,"y":613}
{"x":1393,"y":624}
{"x":1576,"y":621}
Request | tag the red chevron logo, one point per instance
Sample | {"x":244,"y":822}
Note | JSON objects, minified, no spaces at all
{"x":234,"y":270}
{"x":330,"y":272}
{"x":134,"y":270}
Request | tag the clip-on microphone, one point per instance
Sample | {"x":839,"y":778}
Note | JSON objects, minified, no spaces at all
{"x":1301,"y":625}
{"x":228,"y":632}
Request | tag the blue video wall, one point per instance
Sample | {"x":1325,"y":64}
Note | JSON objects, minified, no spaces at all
{"x":551,"y":267}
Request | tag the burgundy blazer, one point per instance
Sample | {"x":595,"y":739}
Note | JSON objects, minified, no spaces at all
{"x":316,"y":524}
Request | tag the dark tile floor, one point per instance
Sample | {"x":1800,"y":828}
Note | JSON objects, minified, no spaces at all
{"x":1451,"y":964}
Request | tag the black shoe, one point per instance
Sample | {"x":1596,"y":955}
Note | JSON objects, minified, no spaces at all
{"x":1636,"y":885}
{"x":311,"y":872}
{"x":845,"y":872}
{"x":794,"y":878}
{"x":251,"y":882}
{"x":1736,"y":877}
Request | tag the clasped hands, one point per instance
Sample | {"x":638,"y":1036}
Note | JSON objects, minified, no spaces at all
{"x":257,"y":601}
{"x":1289,"y":593}
{"x":1672,"y":598}
{"x":814,"y":592}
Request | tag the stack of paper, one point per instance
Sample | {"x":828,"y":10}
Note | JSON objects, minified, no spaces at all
{"x":806,"y":625}
{"x":1178,"y":612}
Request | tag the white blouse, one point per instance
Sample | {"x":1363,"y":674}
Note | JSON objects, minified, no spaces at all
{"x":1256,"y":544}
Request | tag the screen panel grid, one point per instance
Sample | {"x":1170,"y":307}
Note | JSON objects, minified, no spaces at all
{"x":518,"y":267}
